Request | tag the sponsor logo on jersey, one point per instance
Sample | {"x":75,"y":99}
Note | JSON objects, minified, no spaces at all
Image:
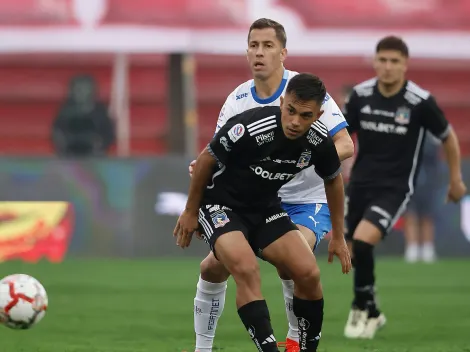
{"x":219,"y":219}
{"x":236,"y":132}
{"x":275,"y":217}
{"x":258,"y":170}
{"x":383,"y":127}
{"x":313,"y":138}
{"x":241,"y":96}
{"x":265,"y":138}
{"x":279,"y":161}
{"x":304,"y":159}
{"x":403,"y":115}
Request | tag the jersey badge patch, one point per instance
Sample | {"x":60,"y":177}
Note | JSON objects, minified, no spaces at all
{"x":220,"y":219}
{"x":236,"y":132}
{"x":402,"y":115}
{"x":304,"y":159}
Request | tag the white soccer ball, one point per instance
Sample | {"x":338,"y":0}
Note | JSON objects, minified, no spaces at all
{"x":23,"y":301}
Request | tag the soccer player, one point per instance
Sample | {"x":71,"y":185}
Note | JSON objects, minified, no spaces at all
{"x":303,"y":198}
{"x":236,"y":208}
{"x":390,"y":115}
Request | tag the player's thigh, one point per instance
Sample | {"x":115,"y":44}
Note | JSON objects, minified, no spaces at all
{"x":278,"y":241}
{"x":215,"y":221}
{"x":313,"y":220}
{"x":380,"y":216}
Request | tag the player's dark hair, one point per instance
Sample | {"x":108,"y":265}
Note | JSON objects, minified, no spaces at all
{"x":307,"y":87}
{"x":392,"y":43}
{"x":263,"y":23}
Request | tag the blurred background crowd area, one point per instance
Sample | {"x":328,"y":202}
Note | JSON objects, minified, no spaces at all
{"x":152,"y":75}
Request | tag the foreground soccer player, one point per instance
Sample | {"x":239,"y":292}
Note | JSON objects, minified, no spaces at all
{"x":390,"y":115}
{"x":303,"y":198}
{"x":239,"y":214}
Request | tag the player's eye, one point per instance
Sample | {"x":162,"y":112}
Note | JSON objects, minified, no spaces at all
{"x":291,"y":111}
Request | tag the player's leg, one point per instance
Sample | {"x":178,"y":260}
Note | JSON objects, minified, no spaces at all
{"x":356,"y":202}
{"x":286,"y":248}
{"x":313,"y":221}
{"x":209,"y":301}
{"x":411,"y":231}
{"x":224,"y":231}
{"x":378,"y":220}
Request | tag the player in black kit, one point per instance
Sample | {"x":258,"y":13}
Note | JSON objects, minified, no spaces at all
{"x":233,"y":203}
{"x":390,"y":115}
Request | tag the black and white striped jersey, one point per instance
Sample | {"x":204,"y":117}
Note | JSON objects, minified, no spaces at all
{"x":391,"y":133}
{"x":255,"y":159}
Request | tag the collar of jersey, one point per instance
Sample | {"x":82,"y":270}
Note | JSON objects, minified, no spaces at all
{"x":276,"y":94}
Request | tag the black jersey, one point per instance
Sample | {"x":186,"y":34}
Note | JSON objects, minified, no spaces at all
{"x":255,"y":159}
{"x":391,"y":133}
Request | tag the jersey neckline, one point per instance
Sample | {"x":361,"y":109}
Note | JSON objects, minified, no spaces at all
{"x":276,"y":94}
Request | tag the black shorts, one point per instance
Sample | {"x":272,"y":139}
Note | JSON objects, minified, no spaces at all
{"x":381,"y":207}
{"x":260,"y":227}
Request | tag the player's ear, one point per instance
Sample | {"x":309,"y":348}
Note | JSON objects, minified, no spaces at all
{"x":318,"y":115}
{"x":283,"y":54}
{"x":282,"y":102}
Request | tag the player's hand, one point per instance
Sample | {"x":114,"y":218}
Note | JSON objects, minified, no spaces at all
{"x":339,"y":248}
{"x":186,"y":225}
{"x":457,"y":190}
{"x":191,"y":168}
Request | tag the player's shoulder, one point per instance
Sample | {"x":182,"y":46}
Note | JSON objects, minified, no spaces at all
{"x":242,"y":91}
{"x":366,"y":88}
{"x":415,"y":94}
{"x":317,"y":133}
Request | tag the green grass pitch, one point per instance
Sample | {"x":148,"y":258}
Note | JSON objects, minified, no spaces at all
{"x":147,"y":306}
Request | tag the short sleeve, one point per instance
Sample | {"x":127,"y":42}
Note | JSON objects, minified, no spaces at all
{"x":227,"y":112}
{"x":433,"y":119}
{"x":228,"y":140}
{"x":327,"y":163}
{"x":351,"y":111}
{"x":332,"y":116}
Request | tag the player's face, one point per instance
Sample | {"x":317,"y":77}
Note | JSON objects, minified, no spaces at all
{"x":265,"y":53}
{"x":297,"y":116}
{"x":390,"y":66}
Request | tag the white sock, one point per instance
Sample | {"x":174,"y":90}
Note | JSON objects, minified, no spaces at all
{"x":208,"y":306}
{"x":428,"y":252}
{"x":288,"y":290}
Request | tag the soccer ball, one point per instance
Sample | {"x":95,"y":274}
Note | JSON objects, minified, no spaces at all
{"x":23,"y":301}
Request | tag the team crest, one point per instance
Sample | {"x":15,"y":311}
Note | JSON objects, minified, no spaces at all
{"x":220,"y":219}
{"x":304,"y":159}
{"x":402,"y":115}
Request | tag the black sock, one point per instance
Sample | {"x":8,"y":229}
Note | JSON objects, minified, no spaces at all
{"x":310,"y":317}
{"x":255,"y":317}
{"x":364,"y":279}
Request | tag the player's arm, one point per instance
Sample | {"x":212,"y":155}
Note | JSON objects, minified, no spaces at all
{"x":351,"y":112}
{"x":434,"y":120}
{"x":334,"y":120}
{"x":328,"y":167}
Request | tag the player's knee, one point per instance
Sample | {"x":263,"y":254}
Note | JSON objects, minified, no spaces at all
{"x":246,"y":272}
{"x":212,"y":270}
{"x":307,"y":276}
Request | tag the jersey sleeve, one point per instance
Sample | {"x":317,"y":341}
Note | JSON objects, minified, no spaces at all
{"x":229,"y":110}
{"x":332,"y":116}
{"x":433,"y":119}
{"x":229,"y":140}
{"x":351,"y":111}
{"x":327,"y":163}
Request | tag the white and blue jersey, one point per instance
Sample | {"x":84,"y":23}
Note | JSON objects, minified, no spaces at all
{"x":304,"y":197}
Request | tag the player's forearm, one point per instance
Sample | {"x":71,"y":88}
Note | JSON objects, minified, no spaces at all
{"x":202,"y":172}
{"x":343,"y":144}
{"x":452,"y":151}
{"x":334,"y":190}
